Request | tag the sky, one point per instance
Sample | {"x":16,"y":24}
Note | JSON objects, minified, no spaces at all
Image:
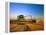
{"x":35,"y":10}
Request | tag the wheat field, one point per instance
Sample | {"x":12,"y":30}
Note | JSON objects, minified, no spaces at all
{"x":26,"y":25}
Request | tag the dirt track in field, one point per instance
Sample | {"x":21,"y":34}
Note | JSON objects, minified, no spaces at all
{"x":26,"y":26}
